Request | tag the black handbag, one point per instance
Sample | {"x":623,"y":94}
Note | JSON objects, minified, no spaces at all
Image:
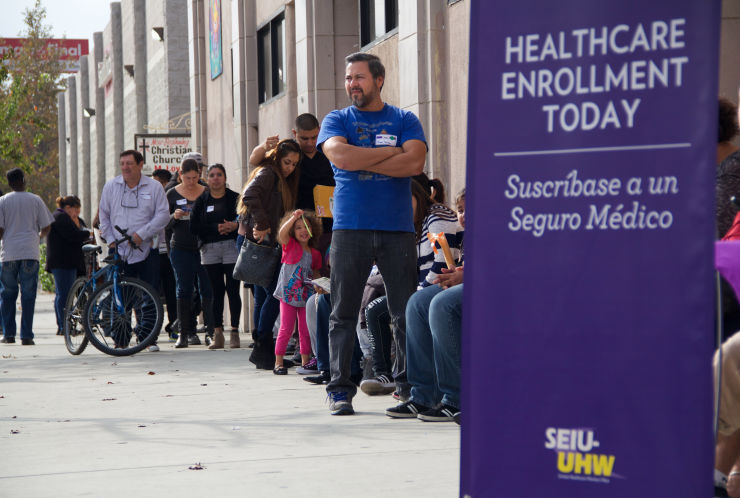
{"x":257,"y":263}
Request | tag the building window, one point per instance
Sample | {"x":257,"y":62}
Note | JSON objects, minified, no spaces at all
{"x":377,"y":17}
{"x":271,"y":58}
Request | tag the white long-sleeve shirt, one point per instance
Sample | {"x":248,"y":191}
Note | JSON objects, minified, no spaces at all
{"x":142,"y":210}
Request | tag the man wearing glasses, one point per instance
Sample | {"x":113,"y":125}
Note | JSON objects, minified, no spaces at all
{"x":138,"y":204}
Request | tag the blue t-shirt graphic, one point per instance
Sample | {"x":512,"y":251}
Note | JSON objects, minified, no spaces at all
{"x":365,"y":200}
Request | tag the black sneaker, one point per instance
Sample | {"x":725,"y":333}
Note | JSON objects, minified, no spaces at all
{"x":27,"y":342}
{"x":194,"y":340}
{"x":323,"y":378}
{"x":8,"y":340}
{"x":409,"y":409}
{"x":340,"y":404}
{"x":440,"y":413}
{"x":382,"y":384}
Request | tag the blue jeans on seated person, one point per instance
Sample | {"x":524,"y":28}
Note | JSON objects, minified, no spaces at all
{"x":63,"y":280}
{"x":323,"y":312}
{"x":433,"y":323}
{"x":23,"y":273}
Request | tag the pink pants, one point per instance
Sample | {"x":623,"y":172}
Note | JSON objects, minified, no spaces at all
{"x":288,"y":315}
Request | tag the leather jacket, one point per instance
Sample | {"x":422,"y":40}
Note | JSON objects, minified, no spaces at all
{"x":264,"y":203}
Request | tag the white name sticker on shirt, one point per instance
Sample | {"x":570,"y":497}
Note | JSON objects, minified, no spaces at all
{"x":209,"y":209}
{"x":146,"y":196}
{"x":385,"y":139}
{"x":181,"y":202}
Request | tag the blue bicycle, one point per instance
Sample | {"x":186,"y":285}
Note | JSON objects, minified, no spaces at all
{"x":120,"y":315}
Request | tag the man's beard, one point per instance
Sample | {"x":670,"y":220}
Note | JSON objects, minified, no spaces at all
{"x":360,"y":100}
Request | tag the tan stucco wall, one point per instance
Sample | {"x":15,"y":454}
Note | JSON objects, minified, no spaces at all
{"x":457,"y":96}
{"x":387,"y":50}
{"x":222,"y":148}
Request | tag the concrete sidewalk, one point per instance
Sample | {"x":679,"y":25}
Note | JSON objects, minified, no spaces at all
{"x":96,"y":425}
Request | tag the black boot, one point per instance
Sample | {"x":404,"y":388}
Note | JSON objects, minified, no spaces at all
{"x":184,"y":316}
{"x":207,"y":305}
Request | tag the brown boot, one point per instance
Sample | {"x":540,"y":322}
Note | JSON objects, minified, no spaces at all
{"x":218,"y":339}
{"x":234,"y":339}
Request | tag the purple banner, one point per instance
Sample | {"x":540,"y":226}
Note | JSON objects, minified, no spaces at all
{"x":588,"y":328}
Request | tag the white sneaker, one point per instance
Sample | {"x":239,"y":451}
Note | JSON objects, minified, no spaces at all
{"x":153,"y":348}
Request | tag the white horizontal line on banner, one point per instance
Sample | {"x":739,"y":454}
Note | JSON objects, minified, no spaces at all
{"x":592,"y":149}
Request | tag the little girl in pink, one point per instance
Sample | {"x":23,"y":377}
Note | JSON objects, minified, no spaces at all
{"x":298,"y":234}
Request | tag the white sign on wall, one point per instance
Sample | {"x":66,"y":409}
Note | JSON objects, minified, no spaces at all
{"x":162,"y":151}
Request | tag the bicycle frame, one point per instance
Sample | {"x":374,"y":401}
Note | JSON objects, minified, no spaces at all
{"x":111,"y":272}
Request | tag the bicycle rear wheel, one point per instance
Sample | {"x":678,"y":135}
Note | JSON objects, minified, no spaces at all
{"x":74,"y":331}
{"x":123,"y":321}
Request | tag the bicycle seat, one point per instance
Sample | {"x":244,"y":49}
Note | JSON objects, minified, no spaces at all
{"x":88,"y":248}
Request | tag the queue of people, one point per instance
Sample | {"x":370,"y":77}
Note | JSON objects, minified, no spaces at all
{"x":383,"y":226}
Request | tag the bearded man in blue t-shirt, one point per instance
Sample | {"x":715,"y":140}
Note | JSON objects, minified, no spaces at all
{"x":374,"y":149}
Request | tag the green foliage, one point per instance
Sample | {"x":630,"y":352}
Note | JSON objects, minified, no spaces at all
{"x":46,"y":280}
{"x":29,"y":83}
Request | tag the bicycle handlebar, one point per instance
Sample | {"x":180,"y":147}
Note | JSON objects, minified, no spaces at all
{"x":126,"y":238}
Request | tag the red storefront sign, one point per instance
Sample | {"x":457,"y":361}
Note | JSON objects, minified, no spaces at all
{"x":67,"y":51}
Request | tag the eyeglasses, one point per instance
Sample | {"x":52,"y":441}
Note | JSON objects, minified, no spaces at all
{"x":130,"y":198}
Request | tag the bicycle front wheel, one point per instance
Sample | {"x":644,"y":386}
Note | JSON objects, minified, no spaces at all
{"x":74,"y":331}
{"x":123,"y":320}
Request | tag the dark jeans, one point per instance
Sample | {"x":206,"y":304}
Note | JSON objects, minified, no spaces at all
{"x":222,"y":282}
{"x":23,"y":273}
{"x":167,"y":285}
{"x":353,"y":253}
{"x":380,"y":335}
{"x":147,"y":270}
{"x":266,"y":309}
{"x":187,"y":267}
{"x":63,"y":280}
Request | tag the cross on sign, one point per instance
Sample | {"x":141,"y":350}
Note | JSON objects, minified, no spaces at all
{"x":144,"y":148}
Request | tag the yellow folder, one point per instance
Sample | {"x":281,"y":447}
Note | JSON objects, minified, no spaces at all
{"x":323,"y":199}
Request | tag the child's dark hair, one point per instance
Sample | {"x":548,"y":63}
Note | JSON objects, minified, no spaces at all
{"x":165,"y":175}
{"x":423,"y":203}
{"x":438,"y":190}
{"x":313,"y":222}
{"x":728,"y":125}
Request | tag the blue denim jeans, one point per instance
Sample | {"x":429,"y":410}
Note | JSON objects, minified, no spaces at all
{"x":63,"y":280}
{"x":23,"y":273}
{"x":187,"y":267}
{"x":323,"y":310}
{"x":433,"y":323}
{"x":322,"y":338}
{"x":266,"y":308}
{"x":353,"y":253}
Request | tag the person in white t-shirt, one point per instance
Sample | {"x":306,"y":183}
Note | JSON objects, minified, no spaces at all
{"x":24,"y":220}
